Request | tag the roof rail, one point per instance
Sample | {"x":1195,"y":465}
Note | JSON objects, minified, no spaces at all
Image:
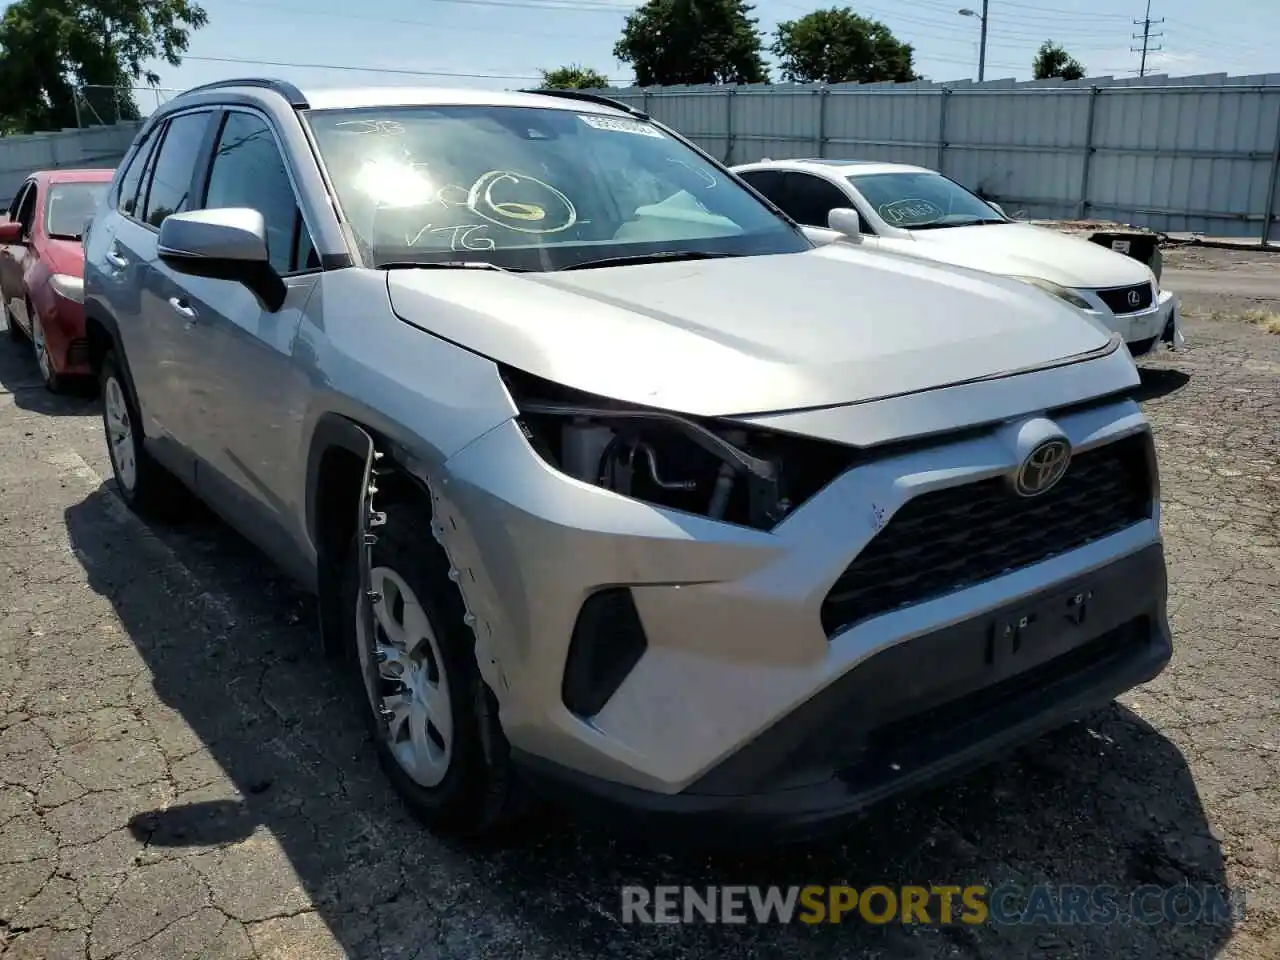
{"x":282,"y":87}
{"x":591,"y":98}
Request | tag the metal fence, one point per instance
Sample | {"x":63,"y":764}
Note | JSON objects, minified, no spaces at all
{"x":1195,"y":154}
{"x":92,"y":147}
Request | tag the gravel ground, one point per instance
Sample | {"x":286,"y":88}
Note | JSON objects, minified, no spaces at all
{"x":181,"y":777}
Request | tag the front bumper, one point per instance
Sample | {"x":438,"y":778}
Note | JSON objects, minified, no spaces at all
{"x":1160,"y":323}
{"x":919,"y":712}
{"x":732,"y":616}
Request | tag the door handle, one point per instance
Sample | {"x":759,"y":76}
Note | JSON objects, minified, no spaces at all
{"x":116,"y":260}
{"x":182,"y":308}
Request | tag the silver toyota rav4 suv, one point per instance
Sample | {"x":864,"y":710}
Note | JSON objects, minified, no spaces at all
{"x":611,"y":483}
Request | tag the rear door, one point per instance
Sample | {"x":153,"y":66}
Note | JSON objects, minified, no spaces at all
{"x":153,"y":328}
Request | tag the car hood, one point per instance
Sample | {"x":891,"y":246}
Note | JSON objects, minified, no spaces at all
{"x":65,"y":256}
{"x":1021,"y":249}
{"x":824,"y":327}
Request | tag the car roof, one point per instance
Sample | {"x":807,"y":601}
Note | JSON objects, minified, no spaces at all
{"x":77,"y":175}
{"x":839,"y":168}
{"x":356,"y":97}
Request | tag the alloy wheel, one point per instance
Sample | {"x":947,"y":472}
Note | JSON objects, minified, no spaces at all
{"x":407,"y":687}
{"x":120,"y":434}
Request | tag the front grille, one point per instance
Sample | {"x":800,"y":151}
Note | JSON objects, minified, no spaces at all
{"x":1118,"y":300}
{"x":947,"y":540}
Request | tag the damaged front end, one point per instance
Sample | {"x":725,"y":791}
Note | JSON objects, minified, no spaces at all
{"x":714,"y":468}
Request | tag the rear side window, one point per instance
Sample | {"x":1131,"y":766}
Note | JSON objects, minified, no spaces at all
{"x":127,"y":195}
{"x":173,"y":171}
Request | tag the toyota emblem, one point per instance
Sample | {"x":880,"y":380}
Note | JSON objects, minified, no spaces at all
{"x":1043,"y":467}
{"x":1134,"y":298}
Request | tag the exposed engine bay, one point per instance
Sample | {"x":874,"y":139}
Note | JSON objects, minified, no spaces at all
{"x":715,"y":469}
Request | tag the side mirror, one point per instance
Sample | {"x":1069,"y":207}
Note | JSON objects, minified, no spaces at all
{"x":223,"y":244}
{"x":846,"y":221}
{"x":997,"y":208}
{"x":11,"y":232}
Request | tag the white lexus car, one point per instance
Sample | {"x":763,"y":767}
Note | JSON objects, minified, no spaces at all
{"x":919,"y":212}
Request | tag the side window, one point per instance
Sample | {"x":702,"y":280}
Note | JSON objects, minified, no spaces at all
{"x":248,"y":171}
{"x":127,"y":195}
{"x":27,"y":211}
{"x":768,"y":182}
{"x":16,"y":203}
{"x":809,"y":200}
{"x":174,"y":167}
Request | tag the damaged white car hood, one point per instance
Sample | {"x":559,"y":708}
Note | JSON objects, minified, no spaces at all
{"x":829,"y":326}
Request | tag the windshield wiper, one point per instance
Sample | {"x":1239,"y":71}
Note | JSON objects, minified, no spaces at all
{"x":66,"y":236}
{"x":661,"y":256}
{"x":958,"y":223}
{"x":446,"y":265}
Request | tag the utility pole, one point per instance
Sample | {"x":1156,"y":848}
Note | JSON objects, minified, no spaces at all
{"x":1146,"y":37}
{"x":982,"y":42}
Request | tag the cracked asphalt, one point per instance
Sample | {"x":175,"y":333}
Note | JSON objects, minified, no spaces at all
{"x":182,"y":777}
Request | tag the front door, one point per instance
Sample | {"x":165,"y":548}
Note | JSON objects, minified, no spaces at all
{"x":14,"y":256}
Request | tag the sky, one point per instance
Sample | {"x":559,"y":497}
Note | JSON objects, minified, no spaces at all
{"x":503,"y":43}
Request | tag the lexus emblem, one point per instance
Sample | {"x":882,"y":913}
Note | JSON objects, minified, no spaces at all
{"x":1043,"y":467}
{"x":1134,"y":298}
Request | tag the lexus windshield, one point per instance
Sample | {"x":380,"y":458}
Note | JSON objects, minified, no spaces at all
{"x":70,"y":206}
{"x":528,"y":188}
{"x":922,"y":201}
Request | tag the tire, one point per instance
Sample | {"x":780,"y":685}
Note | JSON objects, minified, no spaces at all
{"x":141,"y":482}
{"x":53,"y":382}
{"x":15,"y":332}
{"x":1140,"y":347}
{"x":468,"y":792}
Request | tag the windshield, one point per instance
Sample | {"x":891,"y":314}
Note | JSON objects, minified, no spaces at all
{"x":69,"y":207}
{"x":922,"y":201}
{"x":529,"y":188}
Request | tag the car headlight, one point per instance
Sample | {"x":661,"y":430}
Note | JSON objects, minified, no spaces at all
{"x":1059,"y":291}
{"x":65,"y":285}
{"x":713,"y":468}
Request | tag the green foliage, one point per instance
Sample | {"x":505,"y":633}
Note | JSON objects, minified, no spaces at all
{"x":693,"y":41}
{"x":573,"y":77}
{"x":838,"y":46}
{"x":49,"y":48}
{"x":1053,"y":61}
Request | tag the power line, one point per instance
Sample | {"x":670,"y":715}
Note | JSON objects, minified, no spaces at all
{"x":356,"y":69}
{"x":1147,"y":36}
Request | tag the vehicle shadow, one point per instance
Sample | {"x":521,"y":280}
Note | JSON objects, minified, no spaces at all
{"x":231,"y":648}
{"x":1160,"y":382}
{"x":20,"y":378}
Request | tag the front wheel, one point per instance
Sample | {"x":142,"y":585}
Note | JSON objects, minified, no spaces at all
{"x":1140,"y":347}
{"x":52,"y":379}
{"x":433,"y":719}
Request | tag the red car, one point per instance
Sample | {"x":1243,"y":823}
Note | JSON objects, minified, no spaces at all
{"x":42,"y":267}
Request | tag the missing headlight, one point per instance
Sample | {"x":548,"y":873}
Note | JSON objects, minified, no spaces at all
{"x":711,"y":468}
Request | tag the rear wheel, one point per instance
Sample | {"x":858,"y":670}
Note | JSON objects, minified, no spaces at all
{"x":141,"y":481}
{"x":433,"y":719}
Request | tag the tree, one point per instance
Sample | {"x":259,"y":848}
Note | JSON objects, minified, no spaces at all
{"x":50,"y":48}
{"x":693,"y":41}
{"x":573,"y":77}
{"x":1052,"y":61}
{"x":838,"y":46}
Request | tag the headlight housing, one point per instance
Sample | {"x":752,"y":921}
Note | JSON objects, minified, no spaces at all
{"x":68,"y":287}
{"x":1059,"y":291}
{"x":713,"y":468}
